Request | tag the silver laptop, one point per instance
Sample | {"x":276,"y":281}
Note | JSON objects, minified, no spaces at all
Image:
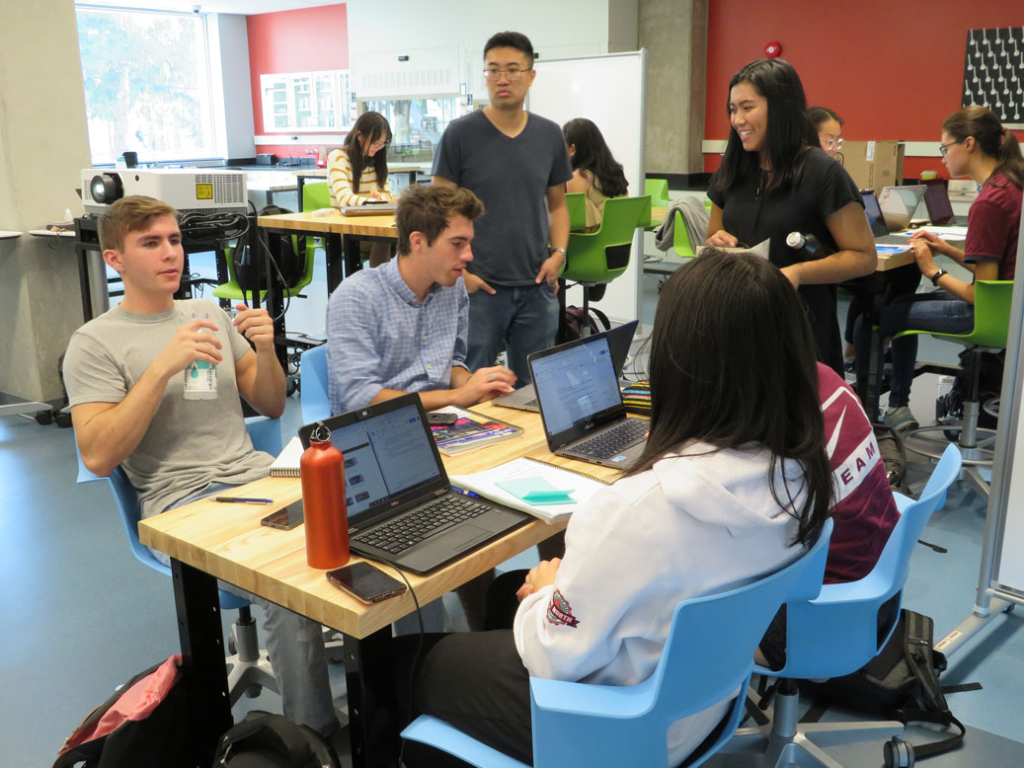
{"x":899,"y":204}
{"x":877,"y":223}
{"x":401,"y":507}
{"x":619,"y":340}
{"x":371,"y":208}
{"x":581,"y":405}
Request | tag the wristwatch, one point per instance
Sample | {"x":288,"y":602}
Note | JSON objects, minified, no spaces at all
{"x":937,"y":275}
{"x":560,"y":250}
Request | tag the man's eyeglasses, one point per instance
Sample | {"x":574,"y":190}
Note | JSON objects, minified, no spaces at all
{"x":944,"y":148}
{"x":511,"y":74}
{"x":836,"y":144}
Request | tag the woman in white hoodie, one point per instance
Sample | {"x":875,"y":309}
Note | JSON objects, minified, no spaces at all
{"x":734,"y":479}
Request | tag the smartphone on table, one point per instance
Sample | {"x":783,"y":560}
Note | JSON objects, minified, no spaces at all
{"x":286,"y":518}
{"x":441,"y":418}
{"x":365,"y":583}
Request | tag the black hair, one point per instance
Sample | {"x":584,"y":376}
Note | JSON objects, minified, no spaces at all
{"x":592,"y":154}
{"x":516,"y":40}
{"x":993,"y":139}
{"x":820,"y":115}
{"x":789,"y":131}
{"x":371,"y":125}
{"x":733,"y":365}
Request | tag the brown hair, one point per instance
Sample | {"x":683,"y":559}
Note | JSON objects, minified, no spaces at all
{"x":130,"y":214}
{"x":993,"y":139}
{"x":427,"y":210}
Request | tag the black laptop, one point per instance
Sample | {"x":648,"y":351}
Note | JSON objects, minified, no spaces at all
{"x":877,"y":222}
{"x":401,"y":508}
{"x":619,"y":340}
{"x":581,"y":405}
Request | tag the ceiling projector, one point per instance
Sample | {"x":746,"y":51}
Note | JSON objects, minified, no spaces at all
{"x":187,"y":189}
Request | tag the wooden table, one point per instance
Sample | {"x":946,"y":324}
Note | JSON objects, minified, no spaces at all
{"x":208,"y":540}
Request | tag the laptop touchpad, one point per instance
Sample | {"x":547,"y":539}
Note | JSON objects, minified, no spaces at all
{"x":463,"y":537}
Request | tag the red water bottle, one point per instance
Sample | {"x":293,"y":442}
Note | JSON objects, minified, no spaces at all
{"x":322,"y":469}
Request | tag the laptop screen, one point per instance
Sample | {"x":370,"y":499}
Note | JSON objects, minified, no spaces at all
{"x":576,"y":384}
{"x":874,"y":213}
{"x":385,"y":455}
{"x":936,"y":198}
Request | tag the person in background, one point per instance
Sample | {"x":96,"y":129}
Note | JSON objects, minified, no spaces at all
{"x":829,"y":126}
{"x":775,"y":180}
{"x":357,"y":173}
{"x":974,"y":143}
{"x":516,"y":163}
{"x":595,"y":173}
{"x":733,"y":484}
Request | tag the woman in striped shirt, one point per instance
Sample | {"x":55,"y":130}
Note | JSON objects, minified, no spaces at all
{"x":358,"y":171}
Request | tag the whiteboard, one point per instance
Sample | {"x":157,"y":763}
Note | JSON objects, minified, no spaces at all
{"x":609,"y":90}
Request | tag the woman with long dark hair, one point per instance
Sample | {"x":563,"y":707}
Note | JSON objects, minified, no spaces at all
{"x":734,"y":480}
{"x":775,"y":180}
{"x":974,"y":143}
{"x":357,"y":173}
{"x":595,"y":172}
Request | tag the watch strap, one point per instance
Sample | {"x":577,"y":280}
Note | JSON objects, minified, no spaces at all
{"x":937,"y":276}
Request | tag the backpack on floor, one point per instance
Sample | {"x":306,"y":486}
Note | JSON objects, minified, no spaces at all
{"x":145,"y":723}
{"x":290,"y":260}
{"x":900,"y":683}
{"x":263,"y":740}
{"x":575,"y":321}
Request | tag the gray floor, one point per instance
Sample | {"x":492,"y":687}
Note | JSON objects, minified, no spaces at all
{"x":81,"y":615}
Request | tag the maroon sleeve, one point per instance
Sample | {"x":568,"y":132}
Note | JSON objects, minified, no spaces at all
{"x":987,"y":229}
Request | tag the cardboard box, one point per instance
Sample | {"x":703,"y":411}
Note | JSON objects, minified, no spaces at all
{"x":874,"y":164}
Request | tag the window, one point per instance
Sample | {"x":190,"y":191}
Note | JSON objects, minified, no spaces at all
{"x":147,"y":84}
{"x":417,"y":124}
{"x":307,"y":101}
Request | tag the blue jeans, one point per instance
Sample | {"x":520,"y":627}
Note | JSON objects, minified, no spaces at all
{"x":524,"y":318}
{"x":940,"y":312}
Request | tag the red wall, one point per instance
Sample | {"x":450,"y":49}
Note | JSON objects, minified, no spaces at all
{"x":893,"y":69}
{"x":306,"y":40}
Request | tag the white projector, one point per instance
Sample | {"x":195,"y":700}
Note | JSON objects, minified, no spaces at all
{"x":187,"y":189}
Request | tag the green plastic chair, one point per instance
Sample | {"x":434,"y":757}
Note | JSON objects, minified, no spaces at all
{"x":576,"y":202}
{"x":594,"y":259}
{"x":232,"y":290}
{"x":708,"y":204}
{"x":992,"y":299}
{"x":681,"y":239}
{"x":657,"y":190}
{"x":314,"y":197}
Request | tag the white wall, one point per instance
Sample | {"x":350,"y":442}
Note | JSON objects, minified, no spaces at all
{"x":232,"y":87}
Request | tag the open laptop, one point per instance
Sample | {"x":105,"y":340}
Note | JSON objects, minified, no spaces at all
{"x":401,"y":507}
{"x":940,"y":210}
{"x":877,"y":223}
{"x":372,"y":208}
{"x":619,"y":340}
{"x":581,"y":405}
{"x":899,"y":204}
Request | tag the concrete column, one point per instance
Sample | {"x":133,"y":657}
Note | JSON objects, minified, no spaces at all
{"x":43,"y":147}
{"x":674,"y":32}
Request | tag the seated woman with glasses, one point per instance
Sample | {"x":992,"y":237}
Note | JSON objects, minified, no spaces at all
{"x":776,"y":180}
{"x":595,"y":173}
{"x":974,"y":144}
{"x":829,"y":126}
{"x":358,"y":172}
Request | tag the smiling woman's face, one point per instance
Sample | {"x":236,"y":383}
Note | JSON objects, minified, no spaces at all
{"x":748,"y":116}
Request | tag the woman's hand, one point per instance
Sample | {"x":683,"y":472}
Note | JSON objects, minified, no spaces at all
{"x":923,"y":257}
{"x":538,"y":578}
{"x":936,"y":243}
{"x":722,"y":239}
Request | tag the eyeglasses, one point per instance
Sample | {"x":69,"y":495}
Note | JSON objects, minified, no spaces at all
{"x":944,"y":148}
{"x":511,"y":74}
{"x":832,"y":144}
{"x":379,"y":144}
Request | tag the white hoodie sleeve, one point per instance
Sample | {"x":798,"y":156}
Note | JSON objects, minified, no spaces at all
{"x":609,"y":588}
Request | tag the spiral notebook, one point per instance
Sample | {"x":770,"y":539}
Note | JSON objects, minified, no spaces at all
{"x":579,"y":486}
{"x":287,"y":464}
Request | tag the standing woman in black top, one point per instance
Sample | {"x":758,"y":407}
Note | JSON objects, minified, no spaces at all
{"x":775,"y":179}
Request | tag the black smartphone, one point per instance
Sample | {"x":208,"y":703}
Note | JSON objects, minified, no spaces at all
{"x":441,"y":418}
{"x":286,"y":518}
{"x":365,"y":583}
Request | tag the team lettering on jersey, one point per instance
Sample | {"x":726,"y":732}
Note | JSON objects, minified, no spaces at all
{"x":560,"y":612}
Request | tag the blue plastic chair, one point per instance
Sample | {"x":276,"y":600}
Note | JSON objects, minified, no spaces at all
{"x":708,"y":657}
{"x":837,"y":633}
{"x":248,"y":669}
{"x":313,"y":397}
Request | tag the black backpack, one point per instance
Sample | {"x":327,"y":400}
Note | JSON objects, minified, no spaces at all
{"x":900,"y":683}
{"x":157,"y":741}
{"x":290,"y":260}
{"x":263,"y":740}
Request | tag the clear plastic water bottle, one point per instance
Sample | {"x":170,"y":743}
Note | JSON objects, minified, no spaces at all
{"x":201,"y":376}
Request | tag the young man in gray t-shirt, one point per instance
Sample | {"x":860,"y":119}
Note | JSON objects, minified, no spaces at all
{"x":517,"y":164}
{"x":125,"y":375}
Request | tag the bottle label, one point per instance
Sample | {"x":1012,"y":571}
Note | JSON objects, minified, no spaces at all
{"x":201,"y":376}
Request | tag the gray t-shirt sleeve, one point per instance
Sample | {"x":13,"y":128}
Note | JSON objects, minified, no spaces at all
{"x":91,"y":374}
{"x":448,"y":157}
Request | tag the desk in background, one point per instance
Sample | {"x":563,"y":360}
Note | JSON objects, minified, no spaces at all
{"x":207,"y":541}
{"x":411,"y":169}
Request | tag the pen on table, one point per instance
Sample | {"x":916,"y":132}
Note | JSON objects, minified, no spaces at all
{"x":242,"y":500}
{"x":464,"y":492}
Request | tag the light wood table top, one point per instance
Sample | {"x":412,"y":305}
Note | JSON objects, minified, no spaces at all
{"x":335,"y":222}
{"x":227,"y":540}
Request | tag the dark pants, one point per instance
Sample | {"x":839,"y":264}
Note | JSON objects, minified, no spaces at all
{"x":473,"y":680}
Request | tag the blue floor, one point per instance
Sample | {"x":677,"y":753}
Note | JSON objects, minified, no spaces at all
{"x":81,"y":615}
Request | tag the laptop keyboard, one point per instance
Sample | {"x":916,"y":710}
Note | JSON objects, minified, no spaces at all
{"x":892,"y":240}
{"x":611,"y":443}
{"x":415,"y":526}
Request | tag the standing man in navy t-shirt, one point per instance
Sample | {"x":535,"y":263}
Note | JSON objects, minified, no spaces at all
{"x":517,"y":164}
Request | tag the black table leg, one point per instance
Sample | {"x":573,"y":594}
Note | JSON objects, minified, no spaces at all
{"x":202,"y":650}
{"x":373,"y":729}
{"x":353,"y":256}
{"x":335,"y":260}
